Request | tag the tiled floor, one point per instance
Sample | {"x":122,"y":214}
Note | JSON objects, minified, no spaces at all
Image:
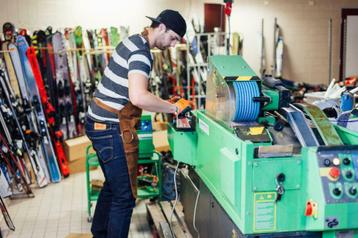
{"x":60,"y":209}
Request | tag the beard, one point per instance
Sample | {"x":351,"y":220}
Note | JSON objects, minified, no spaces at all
{"x":161,"y":47}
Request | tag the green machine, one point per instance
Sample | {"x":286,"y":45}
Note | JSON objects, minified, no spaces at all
{"x":264,"y":167}
{"x":145,"y":135}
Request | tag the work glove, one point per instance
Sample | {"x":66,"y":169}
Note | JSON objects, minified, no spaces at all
{"x":174,"y":99}
{"x":183,"y":106}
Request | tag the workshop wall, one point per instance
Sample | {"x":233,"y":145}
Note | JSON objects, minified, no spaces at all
{"x":87,"y":13}
{"x":304,"y":24}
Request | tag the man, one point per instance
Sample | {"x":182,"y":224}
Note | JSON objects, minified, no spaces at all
{"x":114,"y":112}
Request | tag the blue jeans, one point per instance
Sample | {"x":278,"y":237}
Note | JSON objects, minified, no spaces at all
{"x":115,"y":202}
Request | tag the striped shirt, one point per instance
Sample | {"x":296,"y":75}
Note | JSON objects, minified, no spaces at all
{"x":132,"y":55}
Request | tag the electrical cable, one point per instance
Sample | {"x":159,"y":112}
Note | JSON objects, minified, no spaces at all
{"x":195,"y":207}
{"x":196,"y":202}
{"x":176,"y":198}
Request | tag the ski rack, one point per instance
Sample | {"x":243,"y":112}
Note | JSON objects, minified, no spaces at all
{"x":197,"y":64}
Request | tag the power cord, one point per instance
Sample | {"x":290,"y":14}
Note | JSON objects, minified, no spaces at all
{"x":196,"y":200}
{"x":176,"y":197}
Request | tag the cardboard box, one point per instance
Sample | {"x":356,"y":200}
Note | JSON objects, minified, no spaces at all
{"x":76,"y":148}
{"x":77,"y":166}
{"x":159,"y":126}
{"x":160,"y":141}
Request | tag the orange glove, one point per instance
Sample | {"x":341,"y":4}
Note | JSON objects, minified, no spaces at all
{"x":183,"y":106}
{"x":174,"y":99}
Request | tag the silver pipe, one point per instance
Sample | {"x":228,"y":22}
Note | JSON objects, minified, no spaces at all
{"x":329,"y":50}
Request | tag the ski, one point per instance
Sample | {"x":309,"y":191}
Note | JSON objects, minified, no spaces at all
{"x":10,"y":69}
{"x":63,"y":87}
{"x":72,"y":68}
{"x":114,"y":37}
{"x":5,"y":190}
{"x":6,"y":215}
{"x":82,"y":78}
{"x":106,"y":44}
{"x":96,"y":67}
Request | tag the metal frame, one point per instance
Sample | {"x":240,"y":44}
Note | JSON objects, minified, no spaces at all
{"x":211,"y":36}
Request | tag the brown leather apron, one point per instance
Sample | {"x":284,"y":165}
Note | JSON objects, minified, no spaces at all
{"x":129,"y":118}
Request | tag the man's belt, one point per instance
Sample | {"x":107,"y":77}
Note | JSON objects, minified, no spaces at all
{"x":104,"y":106}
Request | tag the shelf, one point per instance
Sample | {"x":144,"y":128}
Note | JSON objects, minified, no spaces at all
{"x":143,"y":192}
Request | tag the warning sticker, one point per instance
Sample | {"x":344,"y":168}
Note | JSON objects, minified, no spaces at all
{"x":264,"y":211}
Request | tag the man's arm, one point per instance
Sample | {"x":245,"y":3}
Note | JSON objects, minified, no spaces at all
{"x":142,"y":98}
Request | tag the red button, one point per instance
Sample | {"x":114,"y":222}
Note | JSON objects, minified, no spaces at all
{"x":334,"y":172}
{"x":309,"y":209}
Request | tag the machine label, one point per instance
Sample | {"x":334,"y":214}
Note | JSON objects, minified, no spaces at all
{"x":203,"y":127}
{"x":264,"y":211}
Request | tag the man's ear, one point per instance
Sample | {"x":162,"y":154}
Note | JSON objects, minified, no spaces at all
{"x":162,"y":27}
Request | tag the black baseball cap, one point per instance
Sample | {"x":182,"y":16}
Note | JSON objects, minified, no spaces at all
{"x":172,"y":20}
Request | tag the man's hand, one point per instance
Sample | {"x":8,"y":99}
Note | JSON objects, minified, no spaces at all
{"x":183,"y":106}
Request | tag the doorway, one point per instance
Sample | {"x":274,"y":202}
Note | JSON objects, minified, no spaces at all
{"x":349,"y":39}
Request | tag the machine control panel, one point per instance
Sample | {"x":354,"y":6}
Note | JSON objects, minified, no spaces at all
{"x":339,"y":173}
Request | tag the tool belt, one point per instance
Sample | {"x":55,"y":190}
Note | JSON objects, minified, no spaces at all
{"x":129,"y":118}
{"x":104,"y":106}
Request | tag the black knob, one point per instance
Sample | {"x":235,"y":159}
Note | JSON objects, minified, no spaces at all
{"x":327,"y":162}
{"x":353,"y":191}
{"x":281,"y":177}
{"x":346,"y":161}
{"x":337,"y":191}
{"x":349,"y":174}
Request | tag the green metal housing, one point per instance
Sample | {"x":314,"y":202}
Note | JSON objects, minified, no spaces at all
{"x":146,"y":146}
